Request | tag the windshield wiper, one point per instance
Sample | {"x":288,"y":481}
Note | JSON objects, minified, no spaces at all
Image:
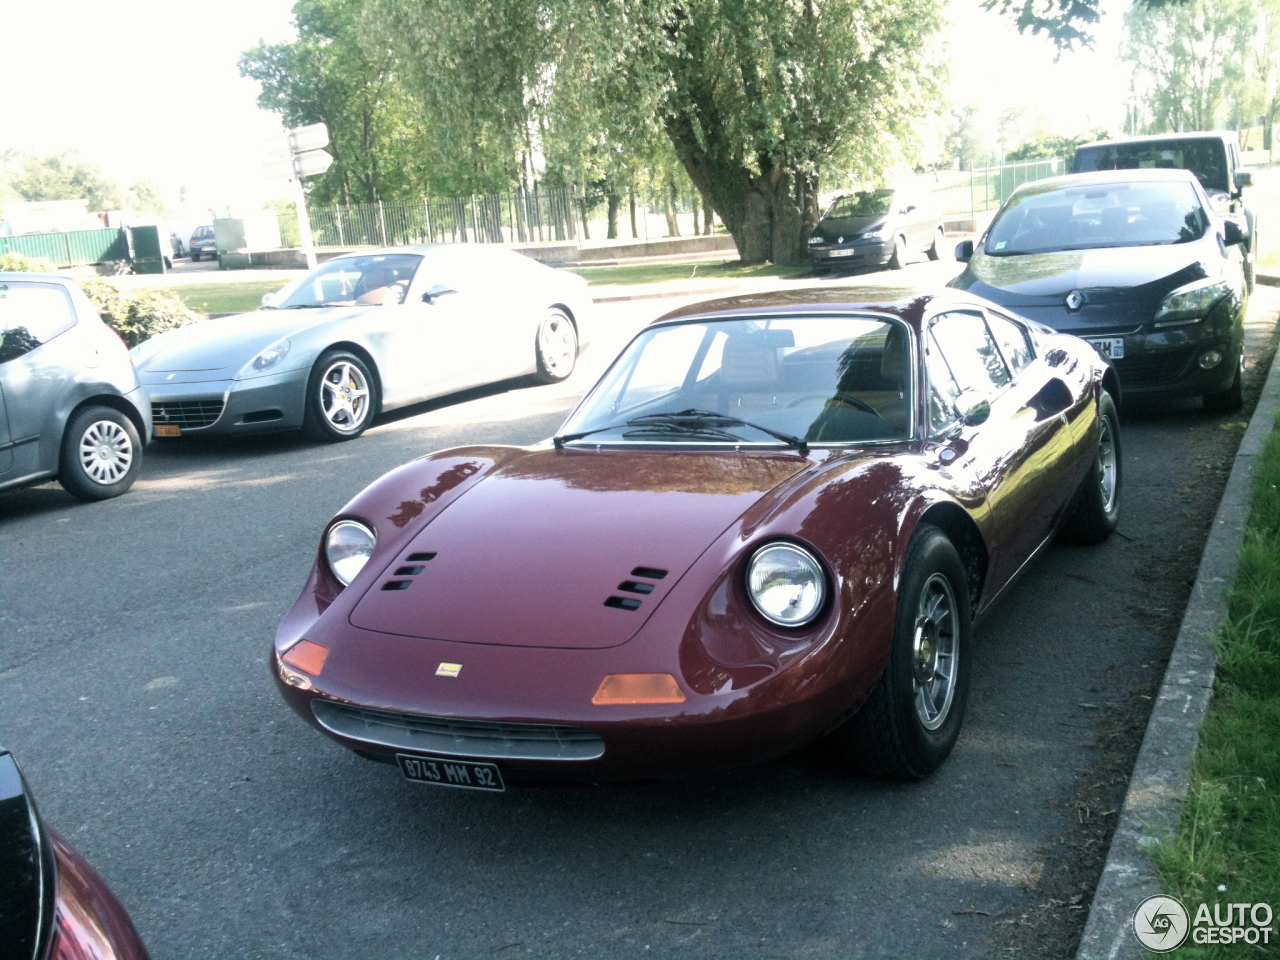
{"x":305,"y":306}
{"x":686,"y":420}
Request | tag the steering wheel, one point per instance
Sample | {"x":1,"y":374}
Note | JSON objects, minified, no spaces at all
{"x":846,"y":398}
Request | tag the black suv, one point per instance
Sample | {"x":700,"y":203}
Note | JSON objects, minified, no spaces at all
{"x":1214,"y":157}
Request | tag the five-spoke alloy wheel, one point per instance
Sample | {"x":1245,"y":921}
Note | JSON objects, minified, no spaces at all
{"x":341,"y":397}
{"x":556,"y":348}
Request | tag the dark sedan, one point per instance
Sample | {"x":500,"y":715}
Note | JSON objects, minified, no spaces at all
{"x":773,"y":517}
{"x":1138,"y":263}
{"x":872,"y":228}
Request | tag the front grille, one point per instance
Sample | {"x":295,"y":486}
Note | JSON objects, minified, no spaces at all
{"x":1151,"y":369}
{"x":459,"y":738}
{"x":187,"y":413}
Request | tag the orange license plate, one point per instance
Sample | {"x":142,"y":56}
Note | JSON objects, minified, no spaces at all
{"x":168,"y":430}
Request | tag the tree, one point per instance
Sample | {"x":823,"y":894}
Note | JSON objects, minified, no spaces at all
{"x":1187,"y":59}
{"x":1259,"y":95}
{"x":1045,"y":146}
{"x":145,"y":197}
{"x":756,"y":97}
{"x":1067,"y":23}
{"x":64,"y":177}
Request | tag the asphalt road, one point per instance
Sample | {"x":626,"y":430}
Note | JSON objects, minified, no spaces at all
{"x":134,"y":689}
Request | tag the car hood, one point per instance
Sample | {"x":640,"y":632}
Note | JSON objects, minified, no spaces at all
{"x":225,"y":345}
{"x":848,"y":227}
{"x":530,"y":555}
{"x":1122,"y":286}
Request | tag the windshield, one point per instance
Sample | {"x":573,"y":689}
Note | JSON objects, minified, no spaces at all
{"x":864,"y":203}
{"x":355,"y":282}
{"x":816,"y":380}
{"x":1205,"y":157}
{"x":1097,"y":215}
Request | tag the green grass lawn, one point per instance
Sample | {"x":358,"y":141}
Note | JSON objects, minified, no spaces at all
{"x":239,"y":297}
{"x":682,"y":270}
{"x":1228,"y":846}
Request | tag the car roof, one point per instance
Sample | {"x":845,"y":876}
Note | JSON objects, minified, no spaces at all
{"x":1225,"y":135}
{"x":59,"y":278}
{"x":1140,"y":175}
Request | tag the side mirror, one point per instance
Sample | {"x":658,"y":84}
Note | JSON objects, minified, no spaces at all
{"x":437,"y":291}
{"x":1231,"y":232}
{"x":269,"y":299}
{"x":909,"y":208}
{"x":964,"y":251}
{"x":972,"y":408}
{"x":1244,"y":178}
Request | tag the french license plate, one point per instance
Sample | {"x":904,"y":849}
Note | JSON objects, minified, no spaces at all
{"x":1110,"y":347}
{"x":466,"y":774}
{"x":168,"y":430}
{"x":840,"y":253}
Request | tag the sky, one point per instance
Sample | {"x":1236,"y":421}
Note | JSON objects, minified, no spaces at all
{"x":149,"y":89}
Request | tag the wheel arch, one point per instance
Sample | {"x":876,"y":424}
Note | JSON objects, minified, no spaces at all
{"x":1111,"y":384}
{"x":568,"y":312}
{"x":350,"y":346}
{"x":964,"y":535}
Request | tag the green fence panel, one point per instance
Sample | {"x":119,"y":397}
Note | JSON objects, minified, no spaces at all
{"x":70,"y":249}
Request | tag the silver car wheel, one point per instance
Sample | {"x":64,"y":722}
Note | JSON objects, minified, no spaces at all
{"x":557,"y":346}
{"x":344,"y":397}
{"x":933,"y":654}
{"x":106,"y":452}
{"x":1107,"y":472}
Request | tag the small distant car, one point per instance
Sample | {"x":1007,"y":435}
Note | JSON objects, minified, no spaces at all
{"x":1138,"y":263}
{"x":71,"y":406}
{"x":1213,"y":156}
{"x":874,"y":228}
{"x":365,"y":333}
{"x":53,"y":906}
{"x":771,"y":519}
{"x":203,"y":243}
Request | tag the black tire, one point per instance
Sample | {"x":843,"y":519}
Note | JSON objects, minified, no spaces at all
{"x":195,"y":256}
{"x":101,"y":454}
{"x":890,"y":736}
{"x":898,"y":259}
{"x":935,"y":248}
{"x":1097,"y":503}
{"x":555,"y":347}
{"x":352,"y":389}
{"x":1231,"y":399}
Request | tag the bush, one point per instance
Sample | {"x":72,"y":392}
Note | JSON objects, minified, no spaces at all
{"x":138,"y":315}
{"x":17,"y":263}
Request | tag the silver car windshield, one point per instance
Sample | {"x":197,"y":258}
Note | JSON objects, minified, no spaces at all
{"x":356,"y":282}
{"x":794,"y":380}
{"x":1090,"y":216}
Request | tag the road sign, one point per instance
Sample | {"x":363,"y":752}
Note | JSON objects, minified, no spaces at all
{"x":311,"y":137}
{"x":312,"y":162}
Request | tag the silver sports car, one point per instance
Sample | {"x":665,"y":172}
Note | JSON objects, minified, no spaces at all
{"x":365,"y":333}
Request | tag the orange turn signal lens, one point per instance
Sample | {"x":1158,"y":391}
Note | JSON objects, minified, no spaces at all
{"x":624,"y":688}
{"x":307,"y":656}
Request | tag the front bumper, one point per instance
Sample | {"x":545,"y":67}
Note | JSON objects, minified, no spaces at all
{"x":235,"y":407}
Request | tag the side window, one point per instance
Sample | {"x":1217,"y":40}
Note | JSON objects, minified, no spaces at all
{"x":1014,"y":342}
{"x":943,"y":390}
{"x":970,"y":352}
{"x":31,"y":314}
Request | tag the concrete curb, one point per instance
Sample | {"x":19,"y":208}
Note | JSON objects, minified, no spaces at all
{"x":1152,"y":806}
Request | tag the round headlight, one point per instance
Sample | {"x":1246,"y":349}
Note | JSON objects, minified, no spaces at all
{"x":348,"y":546}
{"x":786,"y":584}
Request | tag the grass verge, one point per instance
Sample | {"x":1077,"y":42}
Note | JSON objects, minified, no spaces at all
{"x":1228,"y":846}
{"x":634,"y":273}
{"x":238,"y":297}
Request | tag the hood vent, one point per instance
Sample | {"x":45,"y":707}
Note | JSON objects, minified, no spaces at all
{"x":416,"y":563}
{"x":648,"y":573}
{"x":623,"y":603}
{"x":631,"y":586}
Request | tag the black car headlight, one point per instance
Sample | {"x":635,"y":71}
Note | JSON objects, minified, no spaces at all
{"x":1191,"y":302}
{"x":347,"y":547}
{"x":786,"y":584}
{"x":816,"y":239}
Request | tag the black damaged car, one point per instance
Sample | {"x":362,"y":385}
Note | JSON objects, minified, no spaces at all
{"x":1134,"y":261}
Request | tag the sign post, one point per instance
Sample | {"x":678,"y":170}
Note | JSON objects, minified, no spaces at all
{"x":303,"y":156}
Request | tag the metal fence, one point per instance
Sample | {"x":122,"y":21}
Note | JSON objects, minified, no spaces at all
{"x":990,"y":186}
{"x":70,"y":249}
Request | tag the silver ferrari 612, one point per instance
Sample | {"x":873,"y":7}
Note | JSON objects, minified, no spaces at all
{"x":365,"y":333}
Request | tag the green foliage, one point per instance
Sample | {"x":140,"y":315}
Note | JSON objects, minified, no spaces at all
{"x":63,"y":177}
{"x":1044,"y":146}
{"x":1230,"y":831}
{"x":145,"y":197}
{"x":1188,"y":59}
{"x":138,"y":315}
{"x":17,"y":263}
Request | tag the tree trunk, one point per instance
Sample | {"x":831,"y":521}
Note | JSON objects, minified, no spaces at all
{"x":631,"y":201}
{"x":582,"y":209}
{"x":669,"y":207}
{"x":708,"y":217}
{"x":696,"y":229}
{"x":615,"y":205}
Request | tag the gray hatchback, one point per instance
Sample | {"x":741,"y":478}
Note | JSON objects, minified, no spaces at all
{"x":70,"y":403}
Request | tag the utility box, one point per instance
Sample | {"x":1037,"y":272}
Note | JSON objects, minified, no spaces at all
{"x":148,"y":252}
{"x":257,"y":231}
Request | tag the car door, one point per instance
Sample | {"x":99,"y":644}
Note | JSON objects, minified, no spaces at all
{"x":1017,"y":443}
{"x":6,"y":448}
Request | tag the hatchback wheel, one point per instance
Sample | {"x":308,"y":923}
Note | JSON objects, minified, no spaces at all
{"x":101,"y":454}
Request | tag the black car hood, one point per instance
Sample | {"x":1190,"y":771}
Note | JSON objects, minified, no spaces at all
{"x":1122,"y":286}
{"x":834,"y":228}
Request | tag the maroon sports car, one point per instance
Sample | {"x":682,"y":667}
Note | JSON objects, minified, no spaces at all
{"x":773,"y":518}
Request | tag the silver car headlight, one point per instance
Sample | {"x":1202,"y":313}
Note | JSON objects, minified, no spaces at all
{"x":875,"y":233}
{"x":270,"y":357}
{"x":1192,"y":302}
{"x":786,"y":584}
{"x":815,"y":239}
{"x":347,"y":548}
